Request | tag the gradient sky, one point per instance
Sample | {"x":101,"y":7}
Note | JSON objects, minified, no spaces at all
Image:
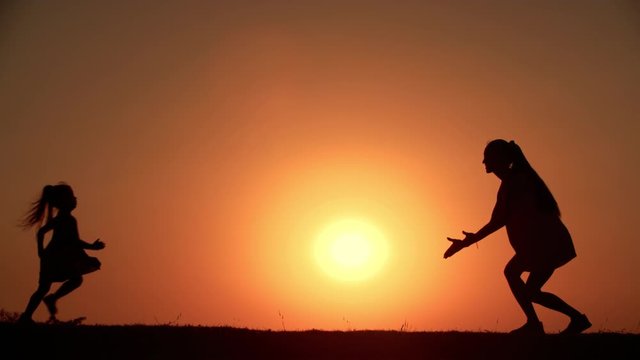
{"x":209,"y":142}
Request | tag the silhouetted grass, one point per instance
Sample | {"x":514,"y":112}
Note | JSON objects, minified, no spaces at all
{"x":194,"y":342}
{"x":8,"y":316}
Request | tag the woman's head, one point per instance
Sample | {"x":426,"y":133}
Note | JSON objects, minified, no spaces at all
{"x":501,"y":156}
{"x":58,"y":196}
{"x":497,"y":156}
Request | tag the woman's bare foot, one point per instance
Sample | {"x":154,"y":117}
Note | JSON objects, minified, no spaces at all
{"x":577,"y":325}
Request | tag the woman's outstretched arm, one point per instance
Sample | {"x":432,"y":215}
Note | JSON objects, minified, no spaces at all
{"x":498,"y":220}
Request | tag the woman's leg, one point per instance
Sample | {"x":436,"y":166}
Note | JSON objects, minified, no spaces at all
{"x":34,"y":301}
{"x":536,"y":280}
{"x":579,"y":322}
{"x":513,"y":272}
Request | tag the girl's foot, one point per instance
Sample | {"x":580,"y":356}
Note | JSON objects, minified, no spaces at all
{"x":50,"y":302}
{"x":529,"y":328}
{"x":25,"y":320}
{"x":577,"y":325}
{"x":53,"y":320}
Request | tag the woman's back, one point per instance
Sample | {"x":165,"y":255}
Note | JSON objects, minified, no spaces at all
{"x":535,"y":230}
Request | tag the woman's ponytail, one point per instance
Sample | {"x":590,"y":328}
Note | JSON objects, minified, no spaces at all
{"x":520,"y":163}
{"x":518,"y":159}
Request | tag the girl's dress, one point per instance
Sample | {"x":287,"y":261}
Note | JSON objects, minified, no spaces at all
{"x":539,"y":238}
{"x":64,"y":257}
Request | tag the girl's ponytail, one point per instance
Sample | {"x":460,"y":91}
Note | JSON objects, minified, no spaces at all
{"x":38,"y":208}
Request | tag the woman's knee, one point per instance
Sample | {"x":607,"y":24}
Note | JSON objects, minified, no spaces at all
{"x":512,"y":271}
{"x":536,"y":281}
{"x":533,"y":292}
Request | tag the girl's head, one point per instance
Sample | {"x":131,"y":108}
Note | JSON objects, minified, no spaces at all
{"x":58,"y":196}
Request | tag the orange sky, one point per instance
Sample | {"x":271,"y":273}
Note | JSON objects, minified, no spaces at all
{"x":210,"y":142}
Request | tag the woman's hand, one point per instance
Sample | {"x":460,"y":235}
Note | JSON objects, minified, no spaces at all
{"x":98,"y":245}
{"x":457,"y":244}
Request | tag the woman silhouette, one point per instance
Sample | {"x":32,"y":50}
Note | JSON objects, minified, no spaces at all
{"x":63,"y":259}
{"x":541,"y":241}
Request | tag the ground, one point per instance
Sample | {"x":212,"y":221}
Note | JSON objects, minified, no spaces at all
{"x":194,"y":342}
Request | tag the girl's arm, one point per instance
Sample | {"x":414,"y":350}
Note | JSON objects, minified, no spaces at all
{"x":96,"y":245}
{"x":40,"y":236}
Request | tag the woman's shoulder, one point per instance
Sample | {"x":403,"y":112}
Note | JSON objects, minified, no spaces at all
{"x":518,"y":179}
{"x":515,"y":185}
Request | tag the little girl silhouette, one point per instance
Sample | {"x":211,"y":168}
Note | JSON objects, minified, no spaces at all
{"x":63,"y":259}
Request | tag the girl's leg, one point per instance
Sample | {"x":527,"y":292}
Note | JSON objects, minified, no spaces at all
{"x":34,"y":301}
{"x":513,"y":272}
{"x":67,"y":287}
{"x":64,"y":289}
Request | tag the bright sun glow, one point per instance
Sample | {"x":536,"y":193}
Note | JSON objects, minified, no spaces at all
{"x":351,"y":250}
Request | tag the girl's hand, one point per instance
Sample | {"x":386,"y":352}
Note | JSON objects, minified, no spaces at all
{"x":98,"y":245}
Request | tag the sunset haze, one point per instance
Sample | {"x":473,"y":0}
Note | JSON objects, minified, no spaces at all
{"x":210,"y":144}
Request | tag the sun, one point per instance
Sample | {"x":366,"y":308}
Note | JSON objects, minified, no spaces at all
{"x":351,"y":250}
